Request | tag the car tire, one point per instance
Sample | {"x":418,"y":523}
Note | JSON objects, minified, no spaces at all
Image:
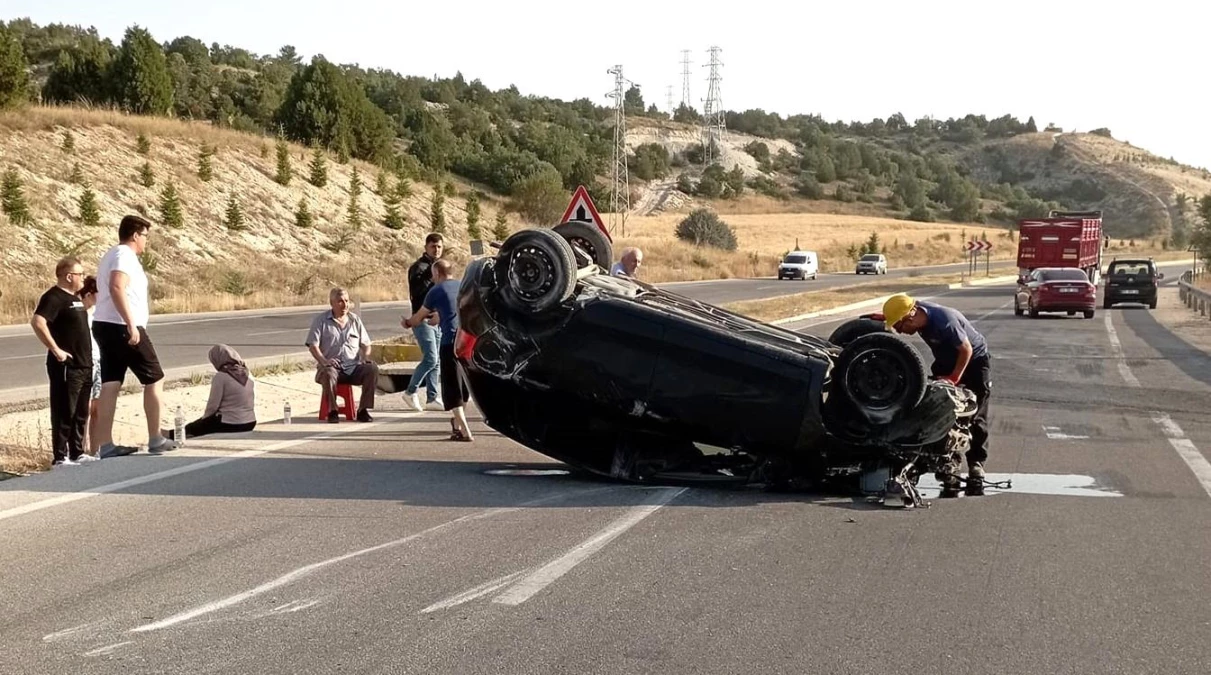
{"x":1152,"y":305}
{"x":535,"y":271}
{"x":1089,"y":314}
{"x":1106,"y":304}
{"x":855,"y":328}
{"x":881,"y":375}
{"x":588,"y":238}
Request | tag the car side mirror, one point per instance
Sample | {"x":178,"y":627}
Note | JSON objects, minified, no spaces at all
{"x":1160,"y":275}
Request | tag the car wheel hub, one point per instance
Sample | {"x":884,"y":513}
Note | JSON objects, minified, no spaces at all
{"x":876,"y":379}
{"x":532,"y":272}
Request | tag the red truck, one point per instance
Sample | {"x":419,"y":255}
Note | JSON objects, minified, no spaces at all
{"x":1062,"y":239}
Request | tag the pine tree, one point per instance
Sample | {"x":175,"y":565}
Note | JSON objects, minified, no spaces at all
{"x":143,"y":144}
{"x":69,"y":142}
{"x":12,"y":199}
{"x":170,"y":206}
{"x":403,"y":186}
{"x":355,"y":191}
{"x":264,"y":149}
{"x":501,"y":231}
{"x":381,"y":184}
{"x":205,"y":167}
{"x":147,"y":177}
{"x":437,"y":216}
{"x":14,"y":71}
{"x":394,"y":219}
{"x":473,"y":213}
{"x":234,"y":218}
{"x":77,"y":176}
{"x":302,"y":216}
{"x":319,"y":169}
{"x":90,"y":215}
{"x":285,"y":173}
{"x":342,"y":153}
{"x":140,"y":80}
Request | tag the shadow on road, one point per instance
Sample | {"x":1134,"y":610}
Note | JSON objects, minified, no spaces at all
{"x":1186,"y":357}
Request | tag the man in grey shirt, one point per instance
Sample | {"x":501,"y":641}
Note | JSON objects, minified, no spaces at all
{"x":340,"y":345}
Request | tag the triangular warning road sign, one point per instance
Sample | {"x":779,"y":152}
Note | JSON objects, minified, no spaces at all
{"x":581,"y":208}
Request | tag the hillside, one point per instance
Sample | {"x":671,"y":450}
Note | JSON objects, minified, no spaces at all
{"x":203,"y":264}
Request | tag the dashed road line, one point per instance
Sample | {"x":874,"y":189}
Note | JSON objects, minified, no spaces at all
{"x":1184,"y":447}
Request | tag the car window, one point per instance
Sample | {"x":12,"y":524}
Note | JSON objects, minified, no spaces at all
{"x":795,"y":259}
{"x":1130,"y":268}
{"x":871,"y":258}
{"x":1065,"y":275}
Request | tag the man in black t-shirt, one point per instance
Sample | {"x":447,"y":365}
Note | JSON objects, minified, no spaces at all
{"x":61,"y":323}
{"x":428,"y":334}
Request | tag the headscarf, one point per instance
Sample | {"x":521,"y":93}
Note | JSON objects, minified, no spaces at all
{"x":227,"y":360}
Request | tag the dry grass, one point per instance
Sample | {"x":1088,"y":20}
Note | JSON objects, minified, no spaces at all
{"x":764,"y":238}
{"x":772,"y":309}
{"x":21,"y":460}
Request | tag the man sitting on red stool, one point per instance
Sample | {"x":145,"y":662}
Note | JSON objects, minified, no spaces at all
{"x":340,"y":345}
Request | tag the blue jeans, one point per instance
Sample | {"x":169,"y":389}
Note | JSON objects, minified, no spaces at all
{"x":428,"y":370}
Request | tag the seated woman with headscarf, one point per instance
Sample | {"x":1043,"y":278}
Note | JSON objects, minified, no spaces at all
{"x":232,"y":404}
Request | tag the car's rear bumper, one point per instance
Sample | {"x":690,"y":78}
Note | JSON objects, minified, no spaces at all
{"x":1067,"y":306}
{"x":1121,"y":295}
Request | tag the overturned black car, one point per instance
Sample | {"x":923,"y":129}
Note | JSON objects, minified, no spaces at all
{"x":616,"y":377}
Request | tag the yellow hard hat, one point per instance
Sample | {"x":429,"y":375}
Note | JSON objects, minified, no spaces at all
{"x":897,"y":307}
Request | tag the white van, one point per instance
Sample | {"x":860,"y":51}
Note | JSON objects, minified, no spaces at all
{"x":799,"y":265}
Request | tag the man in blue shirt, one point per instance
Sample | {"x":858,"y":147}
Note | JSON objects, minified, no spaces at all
{"x":960,"y":356}
{"x":442,"y":300}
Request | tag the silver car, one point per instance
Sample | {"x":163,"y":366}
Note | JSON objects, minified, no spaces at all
{"x":872,"y":263}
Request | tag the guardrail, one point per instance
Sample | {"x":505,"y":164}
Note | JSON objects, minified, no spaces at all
{"x":1194,"y":298}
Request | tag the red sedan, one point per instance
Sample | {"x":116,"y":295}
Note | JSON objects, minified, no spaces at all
{"x":1055,"y":289}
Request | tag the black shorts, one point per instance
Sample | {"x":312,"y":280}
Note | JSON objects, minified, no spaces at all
{"x":117,"y":356}
{"x":454,"y":389}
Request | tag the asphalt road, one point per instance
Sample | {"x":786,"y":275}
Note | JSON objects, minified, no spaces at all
{"x":183,"y":341}
{"x":386,"y":549}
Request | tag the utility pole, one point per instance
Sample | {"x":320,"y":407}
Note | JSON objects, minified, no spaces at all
{"x":621,"y":201}
{"x":712,"y":118}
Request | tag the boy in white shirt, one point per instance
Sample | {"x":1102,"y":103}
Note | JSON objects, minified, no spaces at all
{"x":120,"y":328}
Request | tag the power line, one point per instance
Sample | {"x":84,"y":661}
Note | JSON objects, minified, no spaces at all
{"x":621,"y":196}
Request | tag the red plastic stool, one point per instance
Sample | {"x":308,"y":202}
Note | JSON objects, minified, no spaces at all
{"x":344,"y":392}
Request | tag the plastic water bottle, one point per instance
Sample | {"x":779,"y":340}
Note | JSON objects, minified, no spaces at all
{"x":286,"y":413}
{"x":179,"y":433}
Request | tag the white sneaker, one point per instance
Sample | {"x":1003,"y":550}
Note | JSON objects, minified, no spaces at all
{"x":435,"y":404}
{"x":65,"y":462}
{"x":413,"y":401}
{"x":82,"y":459}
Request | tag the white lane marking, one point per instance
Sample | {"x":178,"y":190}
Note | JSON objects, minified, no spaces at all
{"x":985,"y":315}
{"x":169,"y":473}
{"x":306,"y":570}
{"x":273,"y":332}
{"x":1116,"y":349}
{"x":1184,"y":447}
{"x":1060,"y":485}
{"x":547,"y":574}
{"x":21,"y":358}
{"x":68,"y":632}
{"x":473,"y":593}
{"x":101,"y":651}
{"x":1186,"y":450}
{"x":1057,"y":434}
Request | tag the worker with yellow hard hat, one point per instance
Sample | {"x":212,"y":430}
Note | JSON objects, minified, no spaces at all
{"x":961,"y":356}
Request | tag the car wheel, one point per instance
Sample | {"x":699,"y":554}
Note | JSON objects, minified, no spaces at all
{"x":1152,"y":305}
{"x":882,"y":375}
{"x":1072,"y":313}
{"x":535,"y":271}
{"x":1106,"y":304}
{"x":1089,"y":314}
{"x":855,"y":328}
{"x":588,"y":238}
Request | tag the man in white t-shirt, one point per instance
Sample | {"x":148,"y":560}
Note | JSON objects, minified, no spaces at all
{"x":628,"y":265}
{"x":120,"y":329}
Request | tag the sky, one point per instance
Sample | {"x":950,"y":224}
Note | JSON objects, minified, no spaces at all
{"x":1137,"y":69}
